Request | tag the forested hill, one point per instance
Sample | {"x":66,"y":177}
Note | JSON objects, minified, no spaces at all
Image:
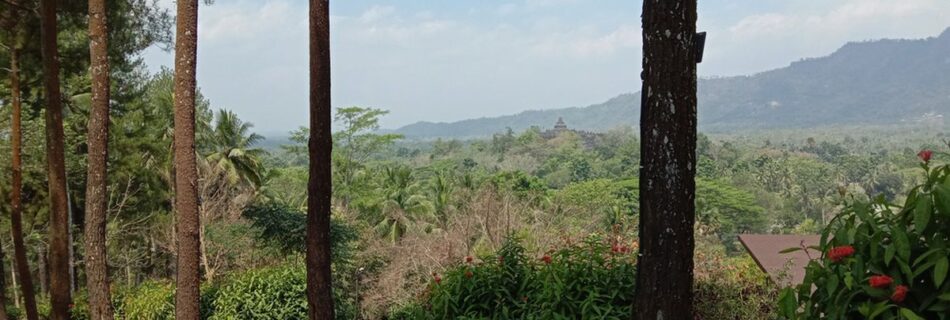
{"x":874,"y":82}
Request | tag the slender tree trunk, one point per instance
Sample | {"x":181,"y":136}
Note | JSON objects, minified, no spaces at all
{"x":60,"y":295}
{"x":42,"y":272}
{"x":319,"y":187}
{"x":3,"y":289}
{"x":186,"y":170}
{"x":16,"y":288}
{"x":97,"y":199}
{"x":16,"y":216}
{"x":668,"y":160}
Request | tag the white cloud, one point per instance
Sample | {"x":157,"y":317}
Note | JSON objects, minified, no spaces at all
{"x":847,"y":17}
{"x":376,"y":13}
{"x":587,"y":42}
{"x":241,"y":22}
{"x":506,"y":9}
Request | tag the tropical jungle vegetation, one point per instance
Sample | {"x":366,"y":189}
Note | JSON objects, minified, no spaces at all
{"x":128,"y":194}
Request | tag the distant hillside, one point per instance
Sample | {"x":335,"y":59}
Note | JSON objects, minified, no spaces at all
{"x":875,"y":82}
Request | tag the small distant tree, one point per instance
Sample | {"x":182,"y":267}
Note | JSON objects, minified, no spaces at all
{"x":355,"y":143}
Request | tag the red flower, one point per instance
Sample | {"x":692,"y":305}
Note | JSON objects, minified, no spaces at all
{"x":899,"y":293}
{"x":469,"y":259}
{"x":837,"y":254}
{"x":438,"y":279}
{"x":925,"y":155}
{"x":546,"y":259}
{"x":469,"y":274}
{"x":880,"y":281}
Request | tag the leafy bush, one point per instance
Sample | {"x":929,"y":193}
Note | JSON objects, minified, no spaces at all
{"x":284,"y":228}
{"x":272,"y":293}
{"x":150,"y":300}
{"x":589,"y":280}
{"x":732,"y":288}
{"x":882,"y":261}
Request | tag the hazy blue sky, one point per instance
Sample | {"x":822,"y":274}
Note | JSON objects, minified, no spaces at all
{"x":445,"y":60}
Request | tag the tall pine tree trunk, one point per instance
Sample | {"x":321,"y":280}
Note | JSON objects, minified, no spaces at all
{"x":186,"y":170}
{"x":60,"y":295}
{"x":97,"y":200}
{"x":319,"y":187}
{"x":16,"y":193}
{"x":668,"y":160}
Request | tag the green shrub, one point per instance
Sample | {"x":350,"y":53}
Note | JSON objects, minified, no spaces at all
{"x":733,"y":288}
{"x":150,"y":300}
{"x":271,"y":293}
{"x":589,"y":280}
{"x":904,"y":249}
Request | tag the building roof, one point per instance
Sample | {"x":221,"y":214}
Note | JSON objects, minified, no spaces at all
{"x":783,"y":268}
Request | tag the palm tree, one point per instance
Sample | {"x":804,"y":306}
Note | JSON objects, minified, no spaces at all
{"x":231,"y":151}
{"x":441,"y":189}
{"x":60,"y":282}
{"x":668,"y":154}
{"x":320,"y":184}
{"x":404,"y":207}
{"x":97,"y":200}
{"x":186,"y":172}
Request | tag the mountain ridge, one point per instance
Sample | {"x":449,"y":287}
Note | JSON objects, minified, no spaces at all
{"x":866,"y":82}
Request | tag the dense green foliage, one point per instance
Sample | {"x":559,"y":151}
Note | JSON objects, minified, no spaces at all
{"x":879,"y":260}
{"x":586,"y":280}
{"x":276,"y":293}
{"x":405,"y":210}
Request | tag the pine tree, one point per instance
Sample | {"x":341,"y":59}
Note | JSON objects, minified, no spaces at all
{"x":97,"y":201}
{"x":59,"y":254}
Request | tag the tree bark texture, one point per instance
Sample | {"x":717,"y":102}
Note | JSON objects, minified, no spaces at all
{"x":97,"y":200}
{"x":59,"y":253}
{"x":187,"y":294}
{"x":668,"y":160}
{"x":16,"y":193}
{"x":319,"y":188}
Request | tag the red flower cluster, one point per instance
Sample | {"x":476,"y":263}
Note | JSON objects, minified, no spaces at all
{"x":837,"y":254}
{"x":880,"y":281}
{"x":925,"y":155}
{"x":899,"y":293}
{"x":469,"y":259}
{"x":437,"y":278}
{"x":469,"y":274}
{"x":546,"y":259}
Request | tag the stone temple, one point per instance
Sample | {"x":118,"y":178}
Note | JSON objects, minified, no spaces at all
{"x":589,"y":138}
